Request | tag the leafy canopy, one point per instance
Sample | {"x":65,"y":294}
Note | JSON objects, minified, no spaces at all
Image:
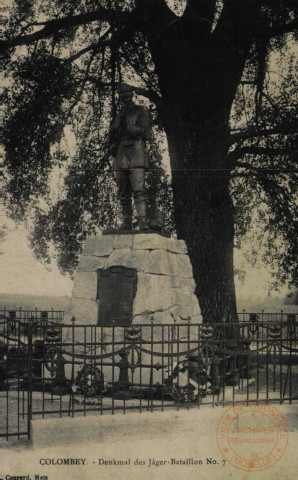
{"x":64,"y":59}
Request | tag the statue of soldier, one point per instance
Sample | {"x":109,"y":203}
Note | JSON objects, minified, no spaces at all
{"x":129,"y":131}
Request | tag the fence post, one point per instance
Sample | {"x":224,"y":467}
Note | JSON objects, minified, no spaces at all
{"x":29,"y":383}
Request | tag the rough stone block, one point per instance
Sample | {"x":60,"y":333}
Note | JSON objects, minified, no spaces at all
{"x":154,"y":318}
{"x":153,"y":294}
{"x":121,"y":256}
{"x":90,"y":263}
{"x":162,"y":262}
{"x":173,"y":245}
{"x":180,"y":297}
{"x":182,"y":312}
{"x":183,"y":246}
{"x":149,"y":241}
{"x":123,"y":241}
{"x":138,"y":260}
{"x":85,"y":285}
{"x":100,"y":245}
{"x":85,"y":311}
{"x":162,"y":317}
{"x":165,"y":283}
{"x":197,"y":319}
{"x":188,"y":284}
{"x":175,"y":282}
{"x":142,"y":319}
{"x":184,"y":266}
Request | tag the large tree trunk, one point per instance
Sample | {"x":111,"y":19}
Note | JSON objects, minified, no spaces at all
{"x":204,"y":216}
{"x":199,"y":70}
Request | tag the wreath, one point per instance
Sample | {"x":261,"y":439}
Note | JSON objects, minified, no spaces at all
{"x":89,"y":381}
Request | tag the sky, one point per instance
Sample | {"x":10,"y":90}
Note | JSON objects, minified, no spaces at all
{"x":20,"y":273}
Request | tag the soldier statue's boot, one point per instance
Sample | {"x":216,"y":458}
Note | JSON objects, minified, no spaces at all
{"x":141,"y":209}
{"x":127,"y":217}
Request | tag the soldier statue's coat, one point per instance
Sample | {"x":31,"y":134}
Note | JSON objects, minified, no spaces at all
{"x":134,"y":123}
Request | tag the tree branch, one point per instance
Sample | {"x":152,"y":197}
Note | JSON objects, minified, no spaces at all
{"x":132,"y":58}
{"x":259,"y":172}
{"x":150,"y":94}
{"x":92,"y":46}
{"x":246,"y":134}
{"x":80,"y":93}
{"x":253,"y":150}
{"x":96,"y":81}
{"x":54,"y":26}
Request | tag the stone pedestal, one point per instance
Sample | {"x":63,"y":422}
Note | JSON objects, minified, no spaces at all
{"x":164,"y":295}
{"x":165,"y":284}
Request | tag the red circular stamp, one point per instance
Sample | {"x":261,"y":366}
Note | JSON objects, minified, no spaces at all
{"x":252,"y":435}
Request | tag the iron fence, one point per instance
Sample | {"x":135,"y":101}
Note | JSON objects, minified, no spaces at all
{"x":51,"y":369}
{"x":35,"y":315}
{"x":263,"y":316}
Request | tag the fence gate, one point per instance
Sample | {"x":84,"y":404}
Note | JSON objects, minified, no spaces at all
{"x":18,"y":329}
{"x":15,"y":370}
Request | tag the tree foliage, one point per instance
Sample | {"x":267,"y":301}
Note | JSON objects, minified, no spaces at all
{"x":266,"y":171}
{"x":233,"y":61}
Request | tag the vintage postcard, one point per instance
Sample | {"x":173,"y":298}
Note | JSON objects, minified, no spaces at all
{"x":148,"y":287}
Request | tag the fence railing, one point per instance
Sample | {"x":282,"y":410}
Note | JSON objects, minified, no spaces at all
{"x":263,"y":316}
{"x":58,"y":315}
{"x":35,"y":314}
{"x":51,"y":369}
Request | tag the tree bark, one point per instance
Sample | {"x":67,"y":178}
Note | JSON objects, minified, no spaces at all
{"x":204,"y":217}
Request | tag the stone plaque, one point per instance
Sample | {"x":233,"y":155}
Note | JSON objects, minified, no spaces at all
{"x":116,"y":289}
